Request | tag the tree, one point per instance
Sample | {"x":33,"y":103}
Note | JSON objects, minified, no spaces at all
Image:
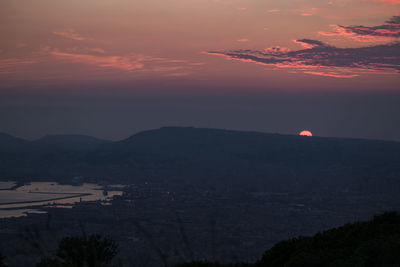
{"x":92,"y":251}
{"x":2,"y":264}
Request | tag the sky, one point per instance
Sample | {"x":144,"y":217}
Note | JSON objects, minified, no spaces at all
{"x":113,"y":68}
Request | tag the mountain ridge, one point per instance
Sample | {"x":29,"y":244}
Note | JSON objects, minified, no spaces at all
{"x":217,"y":159}
{"x":4,"y":135}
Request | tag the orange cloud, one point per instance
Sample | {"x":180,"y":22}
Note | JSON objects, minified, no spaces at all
{"x":242,"y":40}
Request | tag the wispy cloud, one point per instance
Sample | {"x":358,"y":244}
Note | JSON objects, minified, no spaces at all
{"x":98,"y":50}
{"x":324,"y":60}
{"x":127,"y":63}
{"x":167,"y":68}
{"x":178,"y":74}
{"x":276,"y":50}
{"x":308,"y":43}
{"x":386,"y":32}
{"x":70,"y":33}
{"x":390,"y":2}
{"x":273,"y":10}
{"x":242,"y":40}
{"x":10,"y":65}
{"x":332,"y":74}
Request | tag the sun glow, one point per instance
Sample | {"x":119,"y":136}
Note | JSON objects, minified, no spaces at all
{"x":305,"y":133}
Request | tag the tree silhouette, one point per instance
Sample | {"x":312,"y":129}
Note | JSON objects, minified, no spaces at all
{"x":2,"y":264}
{"x":92,"y":251}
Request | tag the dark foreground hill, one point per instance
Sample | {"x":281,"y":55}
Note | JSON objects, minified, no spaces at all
{"x":212,"y":158}
{"x":374,"y":243}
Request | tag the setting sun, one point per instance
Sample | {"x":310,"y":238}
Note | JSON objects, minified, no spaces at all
{"x":305,"y":133}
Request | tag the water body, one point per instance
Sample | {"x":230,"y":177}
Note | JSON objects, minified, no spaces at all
{"x":29,"y":198}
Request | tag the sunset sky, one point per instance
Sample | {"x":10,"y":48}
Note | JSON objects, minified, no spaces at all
{"x":113,"y":68}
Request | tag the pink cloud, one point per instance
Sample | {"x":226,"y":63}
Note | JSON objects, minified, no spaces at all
{"x":391,"y":2}
{"x":242,"y":8}
{"x":10,"y":65}
{"x":79,"y":50}
{"x":308,"y":43}
{"x":178,"y":74}
{"x":197,"y":64}
{"x":167,"y":68}
{"x":273,"y":10}
{"x":324,"y":60}
{"x":144,"y":63}
{"x":276,"y":49}
{"x":306,"y":12}
{"x":242,"y":40}
{"x":332,"y":74}
{"x":386,"y":32}
{"x":126,"y":63}
{"x":70,"y":34}
{"x":227,"y":57}
{"x":96,"y":57}
{"x":98,"y":50}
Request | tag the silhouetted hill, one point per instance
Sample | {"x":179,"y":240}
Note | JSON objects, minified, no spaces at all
{"x":11,"y":144}
{"x":226,"y":159}
{"x":259,"y":146}
{"x":68,"y":142}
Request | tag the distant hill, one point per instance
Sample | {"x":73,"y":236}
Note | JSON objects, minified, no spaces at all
{"x":214,"y":158}
{"x":373,"y":243}
{"x":68,"y":142}
{"x":10,"y":143}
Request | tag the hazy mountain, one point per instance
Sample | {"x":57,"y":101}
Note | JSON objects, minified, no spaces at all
{"x":10,"y":143}
{"x":221,"y":158}
{"x":68,"y":142}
